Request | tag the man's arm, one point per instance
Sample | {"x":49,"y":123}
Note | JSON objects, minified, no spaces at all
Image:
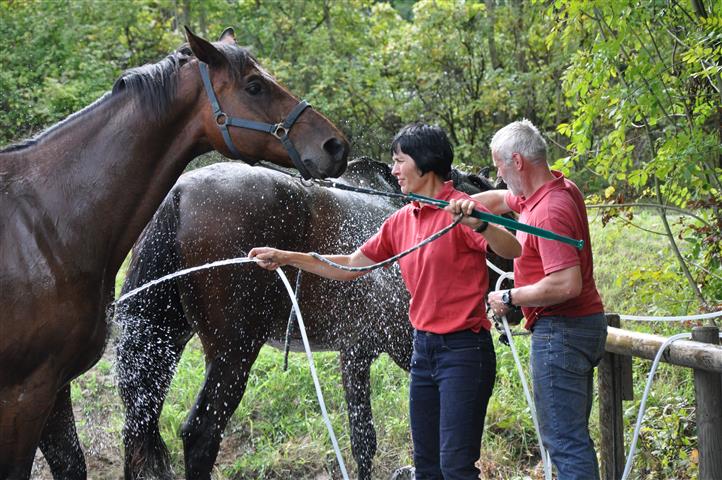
{"x":271,"y":259}
{"x":553,"y":289}
{"x":494,"y":200}
{"x":499,"y":239}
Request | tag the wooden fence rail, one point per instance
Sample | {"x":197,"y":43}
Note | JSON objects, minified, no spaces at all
{"x":703,"y":354}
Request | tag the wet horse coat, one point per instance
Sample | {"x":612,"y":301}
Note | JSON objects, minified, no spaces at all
{"x":222,"y":211}
{"x":74,"y":200}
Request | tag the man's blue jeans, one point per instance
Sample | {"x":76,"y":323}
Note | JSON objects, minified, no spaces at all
{"x":564,"y":354}
{"x":452,"y":377}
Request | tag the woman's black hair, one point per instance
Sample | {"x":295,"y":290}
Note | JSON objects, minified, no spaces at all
{"x":428,"y":145}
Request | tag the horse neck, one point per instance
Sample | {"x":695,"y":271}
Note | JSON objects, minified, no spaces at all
{"x":105,"y":172}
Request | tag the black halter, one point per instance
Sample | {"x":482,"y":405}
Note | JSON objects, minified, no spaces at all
{"x":279,"y":130}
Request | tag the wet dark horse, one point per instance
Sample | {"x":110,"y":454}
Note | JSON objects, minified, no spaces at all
{"x":74,"y":199}
{"x":222,"y":211}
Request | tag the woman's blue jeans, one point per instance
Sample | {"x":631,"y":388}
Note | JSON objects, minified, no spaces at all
{"x":563,"y":356}
{"x":452,"y":377}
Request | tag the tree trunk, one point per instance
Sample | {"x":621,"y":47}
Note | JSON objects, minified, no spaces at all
{"x":490,"y":14}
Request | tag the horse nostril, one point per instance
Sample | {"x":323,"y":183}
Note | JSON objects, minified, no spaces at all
{"x":336,"y":148}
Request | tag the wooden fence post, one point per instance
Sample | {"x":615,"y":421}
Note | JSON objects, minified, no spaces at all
{"x":615,"y":385}
{"x":708,"y":391}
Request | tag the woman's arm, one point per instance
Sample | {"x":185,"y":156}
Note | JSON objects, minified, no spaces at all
{"x":271,"y":258}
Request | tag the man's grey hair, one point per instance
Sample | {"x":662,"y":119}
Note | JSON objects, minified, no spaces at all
{"x":521,"y":137}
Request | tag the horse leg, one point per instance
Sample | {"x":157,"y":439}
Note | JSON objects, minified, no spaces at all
{"x":356,"y":373}
{"x":401,"y":355}
{"x":147,"y":356}
{"x":225,"y":383}
{"x":59,"y":442}
{"x":24,"y":410}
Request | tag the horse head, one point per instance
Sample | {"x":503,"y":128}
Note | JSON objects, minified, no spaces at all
{"x":247,"y":111}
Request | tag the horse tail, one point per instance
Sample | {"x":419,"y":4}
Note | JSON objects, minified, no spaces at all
{"x":154,"y":332}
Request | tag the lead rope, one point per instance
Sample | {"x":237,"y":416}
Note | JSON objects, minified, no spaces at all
{"x":391,"y":260}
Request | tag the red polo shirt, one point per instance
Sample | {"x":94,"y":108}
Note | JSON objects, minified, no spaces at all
{"x":447,"y":278}
{"x":557,"y":206}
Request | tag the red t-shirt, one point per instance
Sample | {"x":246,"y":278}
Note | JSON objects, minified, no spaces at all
{"x":557,"y":206}
{"x":447,"y":278}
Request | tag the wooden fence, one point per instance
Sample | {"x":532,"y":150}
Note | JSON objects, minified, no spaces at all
{"x":703,"y":354}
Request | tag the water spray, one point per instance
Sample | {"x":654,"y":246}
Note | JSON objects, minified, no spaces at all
{"x":301,"y":325}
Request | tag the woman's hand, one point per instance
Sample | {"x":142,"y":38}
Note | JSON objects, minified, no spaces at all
{"x":466,"y":207}
{"x":268,"y":258}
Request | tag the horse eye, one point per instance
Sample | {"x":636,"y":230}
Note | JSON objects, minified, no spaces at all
{"x":254,"y":87}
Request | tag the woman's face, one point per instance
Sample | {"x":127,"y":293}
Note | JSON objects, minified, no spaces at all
{"x":406,"y":172}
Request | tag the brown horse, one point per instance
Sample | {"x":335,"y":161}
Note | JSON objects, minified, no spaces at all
{"x":74,"y":199}
{"x":222,"y":211}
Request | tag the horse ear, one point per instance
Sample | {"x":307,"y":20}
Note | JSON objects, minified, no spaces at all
{"x":203,"y":49}
{"x":228,"y":36}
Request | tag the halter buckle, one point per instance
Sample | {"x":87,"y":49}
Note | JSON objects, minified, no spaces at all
{"x":221,"y":119}
{"x":279,"y":131}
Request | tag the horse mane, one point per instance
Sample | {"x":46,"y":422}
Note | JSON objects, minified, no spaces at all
{"x":359,"y":168}
{"x":469,"y":183}
{"x":155,"y":84}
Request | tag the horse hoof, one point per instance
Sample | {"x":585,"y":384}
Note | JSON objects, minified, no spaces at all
{"x":404,"y":473}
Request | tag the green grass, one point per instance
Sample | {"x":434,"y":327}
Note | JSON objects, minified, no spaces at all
{"x":277,"y":431}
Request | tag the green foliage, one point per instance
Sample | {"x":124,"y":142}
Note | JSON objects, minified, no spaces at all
{"x":627,"y":93}
{"x":61,"y":56}
{"x":649,"y":285}
{"x":645,"y":90}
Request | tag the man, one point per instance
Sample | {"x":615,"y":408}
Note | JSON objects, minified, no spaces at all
{"x":453,"y":366}
{"x":554,"y":286}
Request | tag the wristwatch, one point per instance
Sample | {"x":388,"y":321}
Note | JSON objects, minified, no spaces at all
{"x":506,"y":298}
{"x":482,"y":227}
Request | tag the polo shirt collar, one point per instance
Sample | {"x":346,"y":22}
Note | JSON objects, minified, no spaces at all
{"x":444,"y":194}
{"x":542,"y":192}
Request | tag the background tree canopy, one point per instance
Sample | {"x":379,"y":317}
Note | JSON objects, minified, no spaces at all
{"x":628,"y":93}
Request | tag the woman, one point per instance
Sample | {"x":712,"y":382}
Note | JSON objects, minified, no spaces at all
{"x":453,"y":367}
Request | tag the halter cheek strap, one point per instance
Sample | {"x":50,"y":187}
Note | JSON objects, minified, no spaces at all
{"x":278,"y":130}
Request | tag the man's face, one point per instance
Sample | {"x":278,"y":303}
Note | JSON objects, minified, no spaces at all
{"x":406,"y":172}
{"x":508,"y":173}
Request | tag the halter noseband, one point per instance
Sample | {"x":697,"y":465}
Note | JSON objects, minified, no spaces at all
{"x":279,"y":130}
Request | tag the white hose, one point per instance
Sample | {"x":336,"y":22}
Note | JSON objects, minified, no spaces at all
{"x":546,"y":460}
{"x":681,"y":318}
{"x":650,"y":377}
{"x":642,"y":405}
{"x":301,"y":326}
{"x":530,"y":402}
{"x":316,"y":383}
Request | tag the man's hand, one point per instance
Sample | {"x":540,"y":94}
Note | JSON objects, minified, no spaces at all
{"x":495,"y":303}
